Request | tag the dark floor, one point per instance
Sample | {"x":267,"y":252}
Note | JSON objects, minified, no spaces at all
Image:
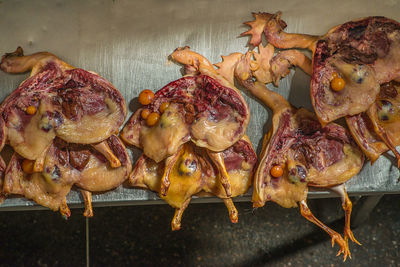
{"x":141,"y":236}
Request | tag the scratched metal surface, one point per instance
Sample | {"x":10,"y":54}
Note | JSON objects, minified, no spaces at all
{"x":128,"y":42}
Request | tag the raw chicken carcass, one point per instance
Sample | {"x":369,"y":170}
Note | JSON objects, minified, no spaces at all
{"x":194,"y":172}
{"x":378,"y":130}
{"x":57,"y":100}
{"x":202,"y":107}
{"x":299,"y":152}
{"x":363,"y":55}
{"x":66,"y":165}
{"x":197,"y":146}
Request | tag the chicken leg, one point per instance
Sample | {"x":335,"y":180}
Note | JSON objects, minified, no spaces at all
{"x":87,"y":197}
{"x":336,"y":237}
{"x":176,"y":221}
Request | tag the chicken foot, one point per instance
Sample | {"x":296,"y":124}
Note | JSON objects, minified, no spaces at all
{"x":347,"y":207}
{"x":335,"y":236}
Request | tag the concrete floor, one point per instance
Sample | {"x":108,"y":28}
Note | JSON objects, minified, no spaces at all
{"x":141,"y":236}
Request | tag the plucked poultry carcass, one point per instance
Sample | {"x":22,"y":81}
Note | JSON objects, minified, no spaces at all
{"x":66,"y":165}
{"x":378,"y":129}
{"x":201,"y":107}
{"x":61,"y":123}
{"x":57,"y":100}
{"x":194,"y":172}
{"x":298,"y":152}
{"x":192,"y":132}
{"x":350,"y":65}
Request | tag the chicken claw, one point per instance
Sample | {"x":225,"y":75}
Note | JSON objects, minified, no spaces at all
{"x":336,"y":237}
{"x":344,"y":246}
{"x":347,"y":207}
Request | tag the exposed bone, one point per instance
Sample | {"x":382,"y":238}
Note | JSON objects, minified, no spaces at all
{"x":189,"y":170}
{"x":136,"y":177}
{"x":87,"y":197}
{"x":356,"y":98}
{"x":107,"y":152}
{"x":336,"y":237}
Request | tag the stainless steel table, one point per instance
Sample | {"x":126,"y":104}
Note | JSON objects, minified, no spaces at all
{"x":128,"y":43}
